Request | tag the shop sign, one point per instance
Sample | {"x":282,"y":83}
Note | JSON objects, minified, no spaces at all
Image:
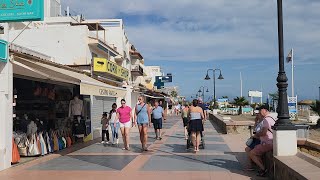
{"x":99,"y":65}
{"x":104,"y":65}
{"x":86,"y":89}
{"x":21,"y":10}
{"x":3,"y":51}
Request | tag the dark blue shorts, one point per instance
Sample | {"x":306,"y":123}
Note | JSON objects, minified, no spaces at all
{"x":157,"y":123}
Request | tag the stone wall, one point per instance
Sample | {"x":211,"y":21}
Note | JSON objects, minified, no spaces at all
{"x":228,"y":126}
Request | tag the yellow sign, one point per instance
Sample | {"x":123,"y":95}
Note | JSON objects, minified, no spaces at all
{"x":104,"y":65}
{"x":99,"y":65}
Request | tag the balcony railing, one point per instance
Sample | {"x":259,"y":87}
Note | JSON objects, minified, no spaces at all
{"x":137,"y":70}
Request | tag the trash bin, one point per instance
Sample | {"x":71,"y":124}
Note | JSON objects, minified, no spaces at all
{"x":302,"y":130}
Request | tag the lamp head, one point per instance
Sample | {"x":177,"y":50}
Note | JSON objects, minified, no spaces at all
{"x":207,"y":77}
{"x":199,"y":91}
{"x":207,"y":90}
{"x":220,"y":76}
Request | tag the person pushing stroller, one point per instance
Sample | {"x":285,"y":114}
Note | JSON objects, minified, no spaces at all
{"x":196,"y":119}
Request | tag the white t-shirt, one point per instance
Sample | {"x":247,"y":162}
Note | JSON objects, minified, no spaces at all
{"x":113,"y":118}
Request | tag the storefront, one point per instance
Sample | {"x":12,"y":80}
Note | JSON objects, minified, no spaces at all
{"x":55,"y":106}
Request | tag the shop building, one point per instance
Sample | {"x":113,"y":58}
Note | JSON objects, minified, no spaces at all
{"x":43,"y":93}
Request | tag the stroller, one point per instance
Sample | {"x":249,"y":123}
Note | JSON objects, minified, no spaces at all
{"x":189,"y":141}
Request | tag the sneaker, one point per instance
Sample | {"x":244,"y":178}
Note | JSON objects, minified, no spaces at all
{"x":117,"y":141}
{"x":102,"y":142}
{"x":107,"y":142}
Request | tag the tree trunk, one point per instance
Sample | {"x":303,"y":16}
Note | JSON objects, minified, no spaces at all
{"x":240,"y":110}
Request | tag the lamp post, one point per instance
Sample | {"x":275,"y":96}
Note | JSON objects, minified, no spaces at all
{"x":283,"y":111}
{"x":214,"y":82}
{"x":284,"y":132}
{"x":203,"y":91}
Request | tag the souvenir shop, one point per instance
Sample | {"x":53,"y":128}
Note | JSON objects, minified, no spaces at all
{"x":53,"y":107}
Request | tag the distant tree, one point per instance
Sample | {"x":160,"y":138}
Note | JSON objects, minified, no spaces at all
{"x":174,"y":93}
{"x":274,"y":99}
{"x":225,"y":97}
{"x":240,"y":101}
{"x":316,"y":108}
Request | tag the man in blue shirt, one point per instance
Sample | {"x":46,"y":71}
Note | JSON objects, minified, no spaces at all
{"x":157,"y":116}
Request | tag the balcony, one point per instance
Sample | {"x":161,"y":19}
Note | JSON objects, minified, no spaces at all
{"x":136,"y":70}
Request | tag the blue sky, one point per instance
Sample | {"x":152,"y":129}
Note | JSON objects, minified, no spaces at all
{"x":187,"y":37}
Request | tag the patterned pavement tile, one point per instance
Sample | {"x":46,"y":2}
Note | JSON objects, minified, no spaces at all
{"x":192,"y":163}
{"x":80,"y":162}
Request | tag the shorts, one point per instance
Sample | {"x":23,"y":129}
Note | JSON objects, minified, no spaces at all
{"x":185,"y":122}
{"x":142,"y":124}
{"x":261,"y":149}
{"x":125,"y":125}
{"x":157,"y":123}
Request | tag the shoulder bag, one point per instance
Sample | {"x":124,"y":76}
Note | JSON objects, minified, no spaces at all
{"x":140,"y":109}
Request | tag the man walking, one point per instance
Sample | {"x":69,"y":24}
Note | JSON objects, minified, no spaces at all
{"x":158,"y":116}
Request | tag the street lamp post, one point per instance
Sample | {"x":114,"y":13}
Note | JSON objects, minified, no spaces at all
{"x":284,"y":132}
{"x":203,"y":91}
{"x":214,"y":82}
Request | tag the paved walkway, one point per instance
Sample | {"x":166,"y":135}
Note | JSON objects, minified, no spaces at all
{"x":167,"y":159}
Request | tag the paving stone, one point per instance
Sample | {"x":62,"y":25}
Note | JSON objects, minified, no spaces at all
{"x":79,"y":162}
{"x":192,"y":163}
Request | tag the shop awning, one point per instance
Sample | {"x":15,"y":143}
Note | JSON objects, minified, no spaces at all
{"x":88,"y":85}
{"x":29,"y":70}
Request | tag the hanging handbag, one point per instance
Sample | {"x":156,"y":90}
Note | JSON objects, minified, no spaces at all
{"x":23,"y":146}
{"x":64,"y":142}
{"x":44,"y":150}
{"x":33,"y":149}
{"x":15,"y":153}
{"x":55,"y":142}
{"x":69,"y":142}
{"x":48,"y":143}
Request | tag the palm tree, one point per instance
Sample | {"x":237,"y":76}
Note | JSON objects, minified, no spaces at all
{"x":240,"y":101}
{"x":274,"y":98}
{"x":174,"y":93}
{"x":316,"y":108}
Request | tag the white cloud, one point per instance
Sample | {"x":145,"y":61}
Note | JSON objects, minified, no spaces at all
{"x":207,"y":30}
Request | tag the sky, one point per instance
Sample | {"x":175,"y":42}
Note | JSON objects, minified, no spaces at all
{"x":187,"y":37}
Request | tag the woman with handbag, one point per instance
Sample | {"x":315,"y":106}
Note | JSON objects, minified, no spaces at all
{"x":143,"y":118}
{"x":254,"y":140}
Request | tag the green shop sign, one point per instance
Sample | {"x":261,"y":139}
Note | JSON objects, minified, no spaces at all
{"x":3,"y":51}
{"x":21,"y":10}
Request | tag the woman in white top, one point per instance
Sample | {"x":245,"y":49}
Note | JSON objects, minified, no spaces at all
{"x":114,"y":123}
{"x":196,"y":118}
